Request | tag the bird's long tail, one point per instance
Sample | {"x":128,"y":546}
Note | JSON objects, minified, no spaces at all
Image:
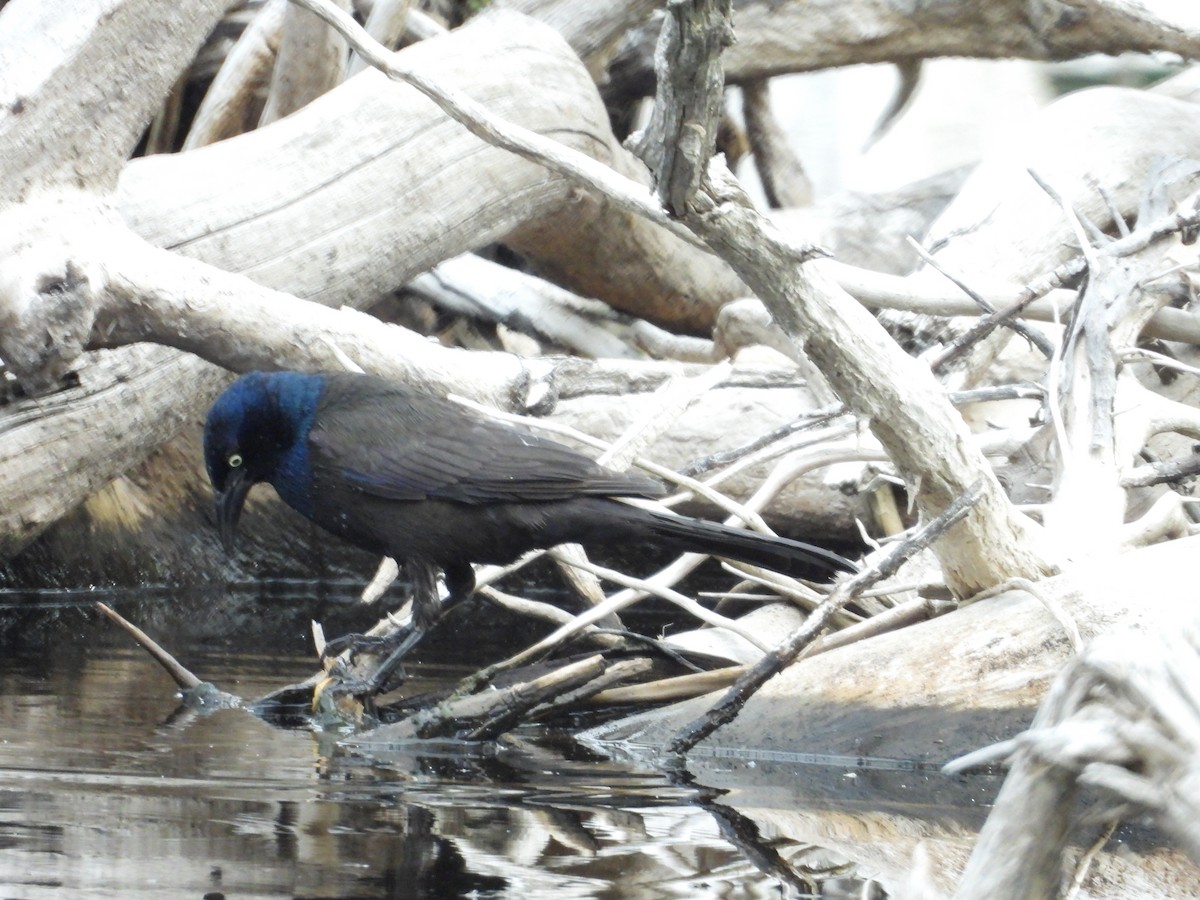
{"x":775,"y":553}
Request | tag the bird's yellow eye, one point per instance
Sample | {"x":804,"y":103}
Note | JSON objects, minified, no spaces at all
{"x":235,"y":460}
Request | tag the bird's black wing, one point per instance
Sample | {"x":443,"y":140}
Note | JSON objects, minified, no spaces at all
{"x":382,"y":439}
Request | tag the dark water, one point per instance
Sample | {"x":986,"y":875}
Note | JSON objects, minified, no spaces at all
{"x":106,"y":790}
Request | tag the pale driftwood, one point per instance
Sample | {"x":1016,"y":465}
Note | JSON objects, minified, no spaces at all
{"x":311,"y":61}
{"x":234,"y":100}
{"x":187,"y":201}
{"x":471,"y":286}
{"x":79,"y":85}
{"x":59,"y":450}
{"x":780,"y":36}
{"x":457,"y":714}
{"x":853,"y":817}
{"x":594,"y":30}
{"x":139,"y":293}
{"x":628,"y":208}
{"x":617,"y":673}
{"x":928,"y":693}
{"x":1094,"y":444}
{"x":179,"y":172}
{"x":179,"y":674}
{"x":784,"y":181}
{"x":225,"y":239}
{"x":787,"y":652}
{"x":925,"y":437}
{"x":771,"y":620}
{"x":383,"y":135}
{"x":1086,"y":146}
{"x":891,"y":292}
{"x":1125,"y":718}
{"x":898,"y":398}
{"x":387,"y":24}
{"x":991,"y":661}
{"x":1083,"y":171}
{"x":240,"y":204}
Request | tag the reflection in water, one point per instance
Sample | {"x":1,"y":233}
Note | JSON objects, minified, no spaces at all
{"x":102,"y":796}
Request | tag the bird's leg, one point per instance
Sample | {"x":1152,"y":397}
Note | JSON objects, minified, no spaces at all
{"x":427,"y":609}
{"x":460,"y":583}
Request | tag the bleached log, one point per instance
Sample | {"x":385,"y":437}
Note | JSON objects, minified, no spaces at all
{"x":138,"y":293}
{"x":1026,"y":200}
{"x":1124,"y":718}
{"x":923,"y":435}
{"x":882,"y":820}
{"x":925,"y":694}
{"x":470,"y":286}
{"x":81,"y":81}
{"x":1091,"y":148}
{"x":594,"y":30}
{"x":829,"y":34}
{"x":937,"y":689}
{"x":234,"y":100}
{"x":311,"y":61}
{"x":780,"y":36}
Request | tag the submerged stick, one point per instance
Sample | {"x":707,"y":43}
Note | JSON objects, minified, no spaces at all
{"x":179,"y":674}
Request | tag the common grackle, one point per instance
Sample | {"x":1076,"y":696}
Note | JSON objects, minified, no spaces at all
{"x":435,"y":486}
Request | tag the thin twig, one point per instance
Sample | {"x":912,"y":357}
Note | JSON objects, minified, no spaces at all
{"x":1052,"y":606}
{"x":1085,"y":862}
{"x":1036,"y":338}
{"x":1186,"y":217}
{"x":1167,"y":471}
{"x":681,"y":600}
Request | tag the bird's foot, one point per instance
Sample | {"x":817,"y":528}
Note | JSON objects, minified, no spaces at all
{"x":391,"y":649}
{"x":357,"y":644}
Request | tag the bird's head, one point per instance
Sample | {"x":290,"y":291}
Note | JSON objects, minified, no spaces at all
{"x":252,"y":433}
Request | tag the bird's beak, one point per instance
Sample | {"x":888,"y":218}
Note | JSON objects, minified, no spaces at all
{"x":229,"y":506}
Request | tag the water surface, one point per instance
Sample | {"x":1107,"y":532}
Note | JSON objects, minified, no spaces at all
{"x":108,"y":789}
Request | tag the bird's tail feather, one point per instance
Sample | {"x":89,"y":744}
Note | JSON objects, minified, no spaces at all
{"x":775,"y":553}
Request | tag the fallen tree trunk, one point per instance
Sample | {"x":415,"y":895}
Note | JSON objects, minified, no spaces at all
{"x":941,"y":688}
{"x":925,"y":694}
{"x":776,"y":37}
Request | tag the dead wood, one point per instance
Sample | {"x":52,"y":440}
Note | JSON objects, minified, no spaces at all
{"x":234,"y":101}
{"x":77,"y":87}
{"x":594,"y":30}
{"x":284,"y":229}
{"x":980,"y":670}
{"x":485,"y":715}
{"x":310,"y":61}
{"x":776,"y":37}
{"x":224,"y":222}
{"x":774,"y":662}
{"x":1123,"y":718}
{"x":779,"y":169}
{"x":180,"y":675}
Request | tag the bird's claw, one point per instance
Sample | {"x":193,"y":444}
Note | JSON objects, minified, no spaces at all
{"x":389,"y":649}
{"x":356,"y":644}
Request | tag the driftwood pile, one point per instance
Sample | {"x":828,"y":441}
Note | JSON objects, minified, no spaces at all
{"x":1043,"y":427}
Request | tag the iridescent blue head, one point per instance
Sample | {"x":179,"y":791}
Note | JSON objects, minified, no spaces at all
{"x":257,"y":430}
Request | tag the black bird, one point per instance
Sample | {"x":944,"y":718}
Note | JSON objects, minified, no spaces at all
{"x":436,"y":486}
